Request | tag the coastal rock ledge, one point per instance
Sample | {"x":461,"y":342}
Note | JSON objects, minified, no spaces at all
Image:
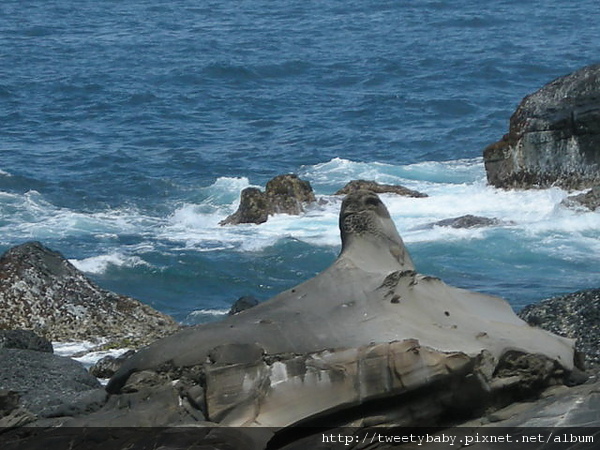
{"x":41,"y":291}
{"x":553,"y":137}
{"x":368,"y":339}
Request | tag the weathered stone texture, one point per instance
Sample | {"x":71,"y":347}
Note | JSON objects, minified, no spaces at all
{"x":553,"y":138}
{"x":41,"y":291}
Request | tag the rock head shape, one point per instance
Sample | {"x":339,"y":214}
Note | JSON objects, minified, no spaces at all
{"x":368,"y":327}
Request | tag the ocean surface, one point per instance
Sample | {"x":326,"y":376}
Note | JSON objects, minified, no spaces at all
{"x":129,"y":128}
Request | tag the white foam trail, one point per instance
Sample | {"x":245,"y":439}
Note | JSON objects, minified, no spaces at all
{"x":4,"y":173}
{"x":209,"y":312}
{"x":99,"y":264}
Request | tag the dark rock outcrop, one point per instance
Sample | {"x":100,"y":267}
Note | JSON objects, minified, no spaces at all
{"x":377,"y":188}
{"x":41,"y":291}
{"x":243,"y":303}
{"x":553,"y":138}
{"x":288,"y":194}
{"x":108,"y":365}
{"x":49,"y":385}
{"x":284,"y":194}
{"x":24,"y":340}
{"x":589,"y":200}
{"x":576,"y":316}
{"x":468,"y":221}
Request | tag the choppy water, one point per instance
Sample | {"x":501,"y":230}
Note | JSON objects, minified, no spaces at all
{"x":128,"y":129}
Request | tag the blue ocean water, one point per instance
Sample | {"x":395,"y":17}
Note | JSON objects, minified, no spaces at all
{"x":128,"y":130}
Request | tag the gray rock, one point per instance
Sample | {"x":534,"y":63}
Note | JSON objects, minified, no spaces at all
{"x":25,"y":340}
{"x":576,"y":316}
{"x":107,"y":366}
{"x":49,"y":385}
{"x":589,"y":200}
{"x":378,"y":188}
{"x":468,"y":221}
{"x":41,"y":291}
{"x":367,"y":328}
{"x":242,"y":304}
{"x":553,"y":138}
{"x":284,"y":194}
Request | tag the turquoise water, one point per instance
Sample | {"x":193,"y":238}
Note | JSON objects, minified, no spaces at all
{"x":128,"y":129}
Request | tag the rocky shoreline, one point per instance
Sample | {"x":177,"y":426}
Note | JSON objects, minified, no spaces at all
{"x":240,"y":374}
{"x":369,"y":344}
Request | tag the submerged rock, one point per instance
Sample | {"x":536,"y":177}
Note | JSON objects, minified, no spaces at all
{"x":41,"y":291}
{"x":554,"y":137}
{"x":468,"y":221}
{"x":284,"y":194}
{"x":366,"y":329}
{"x":377,"y":188}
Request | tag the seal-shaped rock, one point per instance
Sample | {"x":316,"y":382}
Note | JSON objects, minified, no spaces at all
{"x":368,"y":327}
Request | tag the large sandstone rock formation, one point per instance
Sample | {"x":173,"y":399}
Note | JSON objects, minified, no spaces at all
{"x":368,"y":333}
{"x":554,"y":137}
{"x":41,"y":291}
{"x":284,"y":194}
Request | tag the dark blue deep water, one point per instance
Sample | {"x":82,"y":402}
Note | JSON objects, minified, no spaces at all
{"x":128,"y":129}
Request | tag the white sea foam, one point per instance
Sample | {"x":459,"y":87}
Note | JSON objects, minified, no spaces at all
{"x":209,"y":312}
{"x":99,"y":264}
{"x":74,"y":348}
{"x":4,"y":173}
{"x":454,"y":188}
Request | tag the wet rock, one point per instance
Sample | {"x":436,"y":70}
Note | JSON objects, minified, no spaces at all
{"x":378,"y":188}
{"x":288,"y":194}
{"x":553,"y":138}
{"x":576,"y":316}
{"x":25,"y":340}
{"x":41,"y":291}
{"x":108,"y":365}
{"x":284,"y":194}
{"x":242,"y":304}
{"x":254,"y":208}
{"x":589,"y":200}
{"x":468,"y":221}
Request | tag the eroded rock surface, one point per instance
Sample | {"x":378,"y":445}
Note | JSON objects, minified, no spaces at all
{"x":553,"y":138}
{"x":367,"y":328}
{"x":41,"y":291}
